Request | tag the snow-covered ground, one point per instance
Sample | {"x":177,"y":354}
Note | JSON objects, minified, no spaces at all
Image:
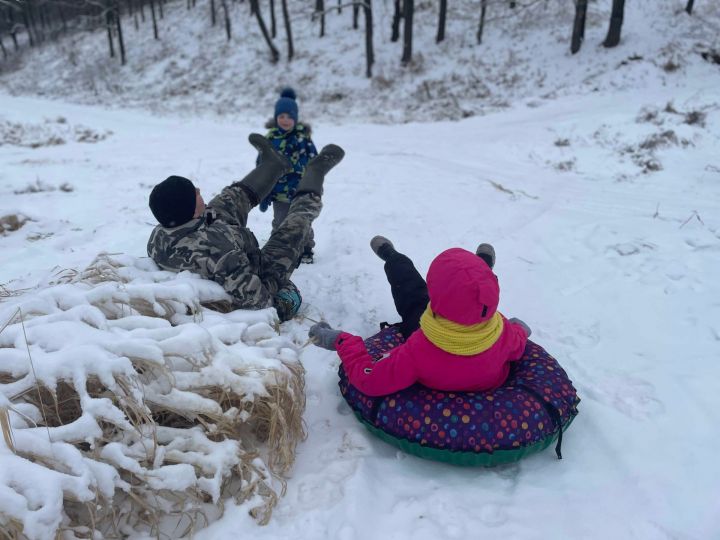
{"x":603,"y":206}
{"x":615,"y":270}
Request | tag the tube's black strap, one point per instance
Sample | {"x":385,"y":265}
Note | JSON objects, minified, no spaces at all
{"x":552,"y":412}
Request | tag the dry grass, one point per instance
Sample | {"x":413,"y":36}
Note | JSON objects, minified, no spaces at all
{"x":12,"y":223}
{"x":270,"y":428}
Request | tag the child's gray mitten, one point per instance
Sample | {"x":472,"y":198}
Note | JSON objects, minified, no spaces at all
{"x":323,"y":335}
{"x":521,"y":323}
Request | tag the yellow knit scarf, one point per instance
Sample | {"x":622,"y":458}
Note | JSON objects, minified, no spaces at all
{"x":460,"y":339}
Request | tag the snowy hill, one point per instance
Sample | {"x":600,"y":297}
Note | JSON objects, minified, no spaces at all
{"x":525,"y":54}
{"x":600,"y":191}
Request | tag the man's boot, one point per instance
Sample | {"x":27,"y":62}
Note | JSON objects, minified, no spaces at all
{"x":261,"y":180}
{"x":317,"y":168}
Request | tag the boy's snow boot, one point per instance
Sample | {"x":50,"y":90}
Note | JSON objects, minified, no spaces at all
{"x":382,"y":247}
{"x":261,"y":180}
{"x":317,"y":168}
{"x":487,"y":253}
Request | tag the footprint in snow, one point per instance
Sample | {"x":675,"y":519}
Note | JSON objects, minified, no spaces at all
{"x":631,"y":396}
{"x":493,"y":515}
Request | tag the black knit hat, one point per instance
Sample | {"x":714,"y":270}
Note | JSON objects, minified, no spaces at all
{"x":172,"y":201}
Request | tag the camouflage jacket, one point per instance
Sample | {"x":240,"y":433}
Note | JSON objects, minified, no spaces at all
{"x":218,"y":246}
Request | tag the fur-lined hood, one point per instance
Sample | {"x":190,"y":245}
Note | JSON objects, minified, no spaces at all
{"x":270,"y":124}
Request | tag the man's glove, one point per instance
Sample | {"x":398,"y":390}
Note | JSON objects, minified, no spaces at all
{"x":323,"y":335}
{"x":265,"y":204}
{"x":287,"y":302}
{"x":521,"y":323}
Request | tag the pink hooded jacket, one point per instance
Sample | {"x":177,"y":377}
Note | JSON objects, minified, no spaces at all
{"x":463,"y":289}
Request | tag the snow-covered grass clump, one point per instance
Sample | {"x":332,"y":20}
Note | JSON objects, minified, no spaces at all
{"x":126,"y":405}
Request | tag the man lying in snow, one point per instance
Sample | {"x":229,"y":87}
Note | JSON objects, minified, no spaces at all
{"x":214,"y":240}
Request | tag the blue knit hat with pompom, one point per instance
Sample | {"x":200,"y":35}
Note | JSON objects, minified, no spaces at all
{"x":287,"y":104}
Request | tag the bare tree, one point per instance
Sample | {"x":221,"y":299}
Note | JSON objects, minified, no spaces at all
{"x":108,"y":24}
{"x":689,"y":6}
{"x":481,"y":26}
{"x":369,"y":51}
{"x":579,"y":25}
{"x":261,"y":23}
{"x":121,"y":42}
{"x":408,"y":12}
{"x":356,"y":14}
{"x":213,"y":15}
{"x":228,"y":25}
{"x":288,"y":30}
{"x":441,"y":21}
{"x":616,"y":20}
{"x":320,"y":10}
{"x":154,"y":19}
{"x":13,"y":28}
{"x":273,"y":21}
{"x":397,"y":15}
{"x":27,"y":23}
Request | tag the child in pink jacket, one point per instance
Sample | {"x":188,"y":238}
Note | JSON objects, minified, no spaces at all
{"x":456,"y":340}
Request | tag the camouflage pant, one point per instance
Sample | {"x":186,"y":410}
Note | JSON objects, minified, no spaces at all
{"x":281,"y":252}
{"x":280,"y":211}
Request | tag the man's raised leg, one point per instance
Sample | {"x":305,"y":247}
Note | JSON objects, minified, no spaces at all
{"x":281,"y":252}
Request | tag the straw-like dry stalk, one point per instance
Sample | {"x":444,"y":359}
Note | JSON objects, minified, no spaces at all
{"x":140,"y":429}
{"x":6,"y":429}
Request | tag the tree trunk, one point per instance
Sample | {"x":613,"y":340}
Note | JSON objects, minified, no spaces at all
{"x":408,"y":11}
{"x":162,"y":11}
{"x":213,"y":15}
{"x":356,"y":15}
{"x":689,"y":6}
{"x":4,"y":50}
{"x":13,"y":29}
{"x":142,"y":10}
{"x":108,"y":24}
{"x":273,"y":20}
{"x":320,"y":9}
{"x":63,"y":19}
{"x":28,"y":28}
{"x":481,"y":26}
{"x":121,"y":42}
{"x":288,"y":30}
{"x":256,"y":9}
{"x":396,"y":21}
{"x":228,"y":26}
{"x":616,"y":20}
{"x":579,"y":25}
{"x":441,"y":21}
{"x":369,"y":52}
{"x":339,"y":8}
{"x":154,"y":19}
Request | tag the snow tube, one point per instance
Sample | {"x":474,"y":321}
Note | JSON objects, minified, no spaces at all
{"x":525,"y":415}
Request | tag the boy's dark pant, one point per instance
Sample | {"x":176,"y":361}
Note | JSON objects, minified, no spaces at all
{"x":409,"y":292}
